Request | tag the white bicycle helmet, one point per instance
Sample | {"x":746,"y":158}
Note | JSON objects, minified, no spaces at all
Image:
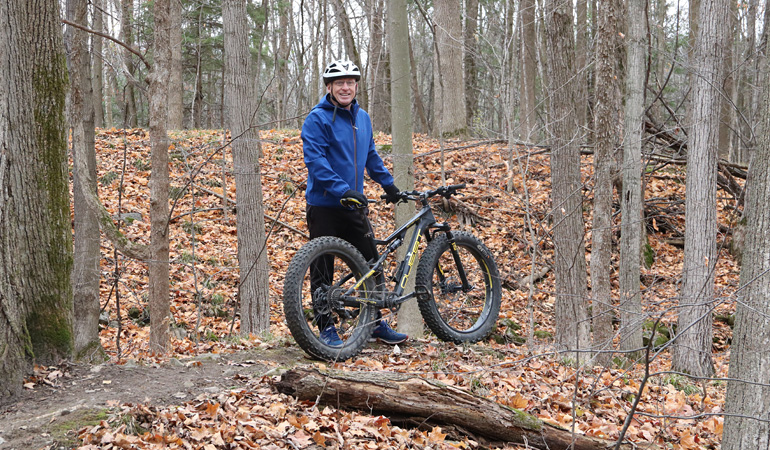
{"x":342,"y":68}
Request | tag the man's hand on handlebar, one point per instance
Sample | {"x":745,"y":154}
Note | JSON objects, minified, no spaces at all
{"x":353,"y":199}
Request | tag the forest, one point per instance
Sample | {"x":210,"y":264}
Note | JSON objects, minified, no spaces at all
{"x":617,"y":161}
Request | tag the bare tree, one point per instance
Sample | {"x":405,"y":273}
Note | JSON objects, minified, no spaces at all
{"x":160,"y":312}
{"x":127,"y":36}
{"x":379,"y":107}
{"x":97,"y":63}
{"x":449,"y":88}
{"x":527,"y":115}
{"x":253,"y":289}
{"x":630,"y":303}
{"x":85,"y":274}
{"x":35,"y":228}
{"x":469,"y":58}
{"x":176,"y":88}
{"x":607,"y":120}
{"x":747,"y":422}
{"x":692,"y":348}
{"x":409,"y":318}
{"x":572,"y":325}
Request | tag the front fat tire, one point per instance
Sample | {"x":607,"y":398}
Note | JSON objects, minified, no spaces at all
{"x":458,"y":316}
{"x":297,"y":302}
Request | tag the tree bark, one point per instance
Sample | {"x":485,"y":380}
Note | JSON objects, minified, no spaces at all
{"x":379,"y":107}
{"x":527,"y":114}
{"x":253,"y":289}
{"x":692,"y":347}
{"x":158,"y":266}
{"x":469,"y":58}
{"x":97,"y":63}
{"x":409,"y":318}
{"x":404,"y":395}
{"x":572,"y":324}
{"x":419,"y":107}
{"x":747,"y":422}
{"x":175,"y":86}
{"x":127,"y":36}
{"x":607,"y":120}
{"x":85,"y":274}
{"x":35,"y":227}
{"x":449,"y":88}
{"x":630,"y":302}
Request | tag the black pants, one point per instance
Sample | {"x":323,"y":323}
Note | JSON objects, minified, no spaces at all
{"x":350,"y":225}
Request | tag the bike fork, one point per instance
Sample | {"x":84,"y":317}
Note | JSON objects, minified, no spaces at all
{"x":458,"y":263}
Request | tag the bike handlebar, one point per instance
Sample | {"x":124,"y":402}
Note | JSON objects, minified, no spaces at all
{"x":444,"y":191}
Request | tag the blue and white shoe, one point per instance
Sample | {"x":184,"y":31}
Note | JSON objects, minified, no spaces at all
{"x":330,"y":337}
{"x":384,"y":333}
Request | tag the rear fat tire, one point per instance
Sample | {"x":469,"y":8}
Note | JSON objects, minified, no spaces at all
{"x":458,"y":316}
{"x":297,"y":302}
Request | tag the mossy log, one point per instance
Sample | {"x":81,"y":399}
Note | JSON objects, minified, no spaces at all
{"x":394,"y":394}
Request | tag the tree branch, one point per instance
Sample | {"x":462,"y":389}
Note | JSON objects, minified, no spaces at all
{"x":107,"y":36}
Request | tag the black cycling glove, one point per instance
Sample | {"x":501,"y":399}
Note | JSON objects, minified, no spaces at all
{"x":354,"y":195}
{"x":392,"y":194}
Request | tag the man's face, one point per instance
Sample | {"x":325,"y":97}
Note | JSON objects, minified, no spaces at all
{"x":343,"y":90}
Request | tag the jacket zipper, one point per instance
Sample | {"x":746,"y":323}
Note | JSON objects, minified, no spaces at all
{"x":355,"y":149}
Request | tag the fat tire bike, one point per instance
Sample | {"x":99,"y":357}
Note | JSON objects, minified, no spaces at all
{"x":457,"y":285}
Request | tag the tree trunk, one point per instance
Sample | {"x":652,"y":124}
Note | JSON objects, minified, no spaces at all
{"x":127,"y":36}
{"x":419,"y":107}
{"x":85,"y":274}
{"x":449,"y":90}
{"x":253,"y":291}
{"x":527,"y":114}
{"x":581,"y":68}
{"x":630,"y":303}
{"x":379,"y":106}
{"x":607,"y":120}
{"x":692,"y":347}
{"x":35,"y":228}
{"x":469,"y":58}
{"x":160,"y":310}
{"x":409,"y":318}
{"x":97,"y":62}
{"x":175,"y":86}
{"x":572,"y":324}
{"x":282,"y":61}
{"x":747,"y":422}
{"x":427,"y":401}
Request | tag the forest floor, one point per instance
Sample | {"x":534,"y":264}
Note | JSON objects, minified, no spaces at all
{"x":74,"y":396}
{"x":214,"y":390}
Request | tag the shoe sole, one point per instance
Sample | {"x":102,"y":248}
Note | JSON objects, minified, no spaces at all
{"x":388,"y":342}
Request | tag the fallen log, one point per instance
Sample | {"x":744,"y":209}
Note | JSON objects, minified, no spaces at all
{"x":432,"y":402}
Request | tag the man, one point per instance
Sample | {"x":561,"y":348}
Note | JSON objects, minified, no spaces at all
{"x":338,"y":145}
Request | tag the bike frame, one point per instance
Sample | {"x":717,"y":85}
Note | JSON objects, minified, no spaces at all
{"x":422,"y":222}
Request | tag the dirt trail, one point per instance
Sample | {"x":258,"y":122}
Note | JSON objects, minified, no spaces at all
{"x":43,"y":418}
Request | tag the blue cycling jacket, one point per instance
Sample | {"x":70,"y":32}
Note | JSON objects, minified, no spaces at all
{"x":338,"y":144}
